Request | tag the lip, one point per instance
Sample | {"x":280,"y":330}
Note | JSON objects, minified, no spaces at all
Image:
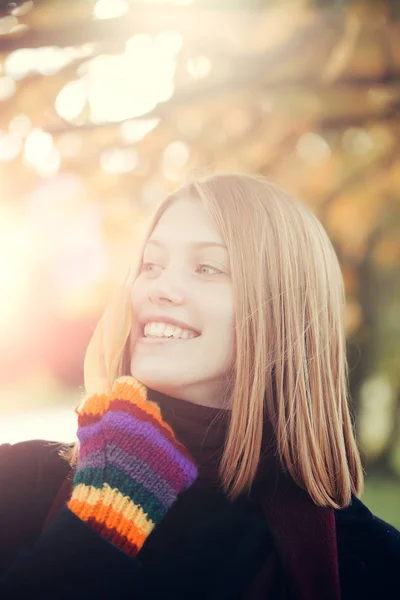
{"x":164,"y":319}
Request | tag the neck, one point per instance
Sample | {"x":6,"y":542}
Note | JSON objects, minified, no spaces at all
{"x":208,"y":394}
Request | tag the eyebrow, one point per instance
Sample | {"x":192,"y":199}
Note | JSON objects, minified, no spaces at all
{"x":193,"y":244}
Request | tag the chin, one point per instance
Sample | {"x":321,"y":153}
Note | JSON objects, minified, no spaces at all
{"x":156,"y":383}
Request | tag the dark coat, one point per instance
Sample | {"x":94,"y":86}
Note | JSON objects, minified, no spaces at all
{"x":69,"y":560}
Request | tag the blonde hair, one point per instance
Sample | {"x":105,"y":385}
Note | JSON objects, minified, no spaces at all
{"x":290,"y":364}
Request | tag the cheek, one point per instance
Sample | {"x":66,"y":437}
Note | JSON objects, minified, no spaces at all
{"x":221,"y":318}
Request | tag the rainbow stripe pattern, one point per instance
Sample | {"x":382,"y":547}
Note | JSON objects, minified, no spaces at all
{"x":131,"y":467}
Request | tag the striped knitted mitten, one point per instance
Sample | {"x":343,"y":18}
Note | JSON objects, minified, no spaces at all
{"x":131,"y":467}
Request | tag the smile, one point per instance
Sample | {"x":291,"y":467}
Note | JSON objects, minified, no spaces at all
{"x":163,"y":340}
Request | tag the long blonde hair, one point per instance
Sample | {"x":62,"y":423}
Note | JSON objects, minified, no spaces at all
{"x":290,"y":364}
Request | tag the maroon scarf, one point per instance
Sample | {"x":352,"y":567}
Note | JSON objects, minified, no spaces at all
{"x":304,"y":534}
{"x":305,"y":543}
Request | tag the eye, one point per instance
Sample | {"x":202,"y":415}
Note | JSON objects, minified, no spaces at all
{"x":210,"y":267}
{"x":145,"y":266}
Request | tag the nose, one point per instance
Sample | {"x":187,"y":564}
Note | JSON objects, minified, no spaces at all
{"x":166,"y":288}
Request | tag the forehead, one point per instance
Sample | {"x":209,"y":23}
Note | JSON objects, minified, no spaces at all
{"x":186,"y":221}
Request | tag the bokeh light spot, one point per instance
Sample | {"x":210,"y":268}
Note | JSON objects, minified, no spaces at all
{"x":22,"y":9}
{"x":198,"y":67}
{"x":7,"y":87}
{"x":71,"y":100}
{"x":20,"y":125}
{"x":313,"y":149}
{"x":7,"y":23}
{"x":110,"y":9}
{"x":135,"y":130}
{"x":357,"y":141}
{"x":119,"y":160}
{"x":10,"y":146}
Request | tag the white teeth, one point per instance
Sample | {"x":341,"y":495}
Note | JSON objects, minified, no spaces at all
{"x":169,"y":331}
{"x":155,"y":329}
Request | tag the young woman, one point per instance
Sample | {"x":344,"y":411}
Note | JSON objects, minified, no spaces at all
{"x":216,"y":455}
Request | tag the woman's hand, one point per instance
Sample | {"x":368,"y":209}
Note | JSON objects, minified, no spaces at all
{"x":131,"y":467}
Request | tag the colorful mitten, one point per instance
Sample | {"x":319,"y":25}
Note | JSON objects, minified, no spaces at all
{"x":131,"y":467}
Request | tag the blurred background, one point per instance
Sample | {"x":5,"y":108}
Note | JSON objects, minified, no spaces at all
{"x":107,"y":106}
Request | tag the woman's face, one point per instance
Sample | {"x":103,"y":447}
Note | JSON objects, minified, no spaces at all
{"x":185,"y":275}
